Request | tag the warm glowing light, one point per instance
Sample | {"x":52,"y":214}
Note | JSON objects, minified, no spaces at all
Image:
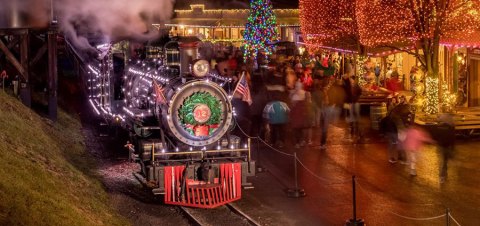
{"x":431,"y":101}
{"x":449,"y":99}
{"x":402,"y":22}
{"x":261,"y":30}
{"x":328,"y":22}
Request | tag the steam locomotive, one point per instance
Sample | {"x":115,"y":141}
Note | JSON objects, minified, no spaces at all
{"x":178,"y":113}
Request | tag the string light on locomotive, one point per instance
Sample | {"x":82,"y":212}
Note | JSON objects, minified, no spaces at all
{"x":191,"y":128}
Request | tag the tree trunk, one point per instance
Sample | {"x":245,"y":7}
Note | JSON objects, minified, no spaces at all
{"x":435,"y":53}
{"x":430,"y":54}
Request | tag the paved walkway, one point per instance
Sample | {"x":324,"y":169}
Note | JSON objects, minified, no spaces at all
{"x":386,"y":193}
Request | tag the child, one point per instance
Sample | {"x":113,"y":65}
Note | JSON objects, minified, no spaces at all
{"x":415,"y":137}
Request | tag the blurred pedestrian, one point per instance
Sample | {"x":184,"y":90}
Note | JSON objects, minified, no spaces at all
{"x":307,"y":80}
{"x":444,"y":135}
{"x":356,"y":92}
{"x":259,"y":100}
{"x":393,"y":125}
{"x":300,"y":116}
{"x":276,"y":113}
{"x":317,"y":96}
{"x":352,"y":95}
{"x":290,"y":78}
{"x":310,"y":118}
{"x":332,"y":97}
{"x":415,"y":138}
{"x":298,"y":67}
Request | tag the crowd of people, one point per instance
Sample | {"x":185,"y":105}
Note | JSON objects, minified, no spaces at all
{"x":294,"y":96}
{"x":291,"y":98}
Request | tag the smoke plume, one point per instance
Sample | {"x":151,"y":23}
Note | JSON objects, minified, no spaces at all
{"x":109,"y":19}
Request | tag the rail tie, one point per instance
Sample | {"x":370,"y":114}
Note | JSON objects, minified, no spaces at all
{"x":192,"y":219}
{"x":197,"y":222}
{"x":242,"y":214}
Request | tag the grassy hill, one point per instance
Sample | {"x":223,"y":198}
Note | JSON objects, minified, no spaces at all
{"x":45,"y":172}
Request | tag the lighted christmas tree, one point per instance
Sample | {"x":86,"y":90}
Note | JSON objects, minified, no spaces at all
{"x":260,"y":30}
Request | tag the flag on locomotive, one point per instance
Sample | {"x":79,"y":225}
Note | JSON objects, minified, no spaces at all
{"x":160,"y":98}
{"x":242,"y":88}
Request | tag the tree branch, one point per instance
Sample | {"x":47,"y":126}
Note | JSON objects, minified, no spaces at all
{"x":403,"y":50}
{"x":415,"y":54}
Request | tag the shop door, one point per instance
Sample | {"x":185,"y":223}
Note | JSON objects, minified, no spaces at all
{"x":474,"y":78}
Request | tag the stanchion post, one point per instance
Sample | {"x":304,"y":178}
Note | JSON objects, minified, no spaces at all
{"x":354,"y":199}
{"x":259,"y":164}
{"x":447,"y":212}
{"x":354,"y":220}
{"x":296,"y":192}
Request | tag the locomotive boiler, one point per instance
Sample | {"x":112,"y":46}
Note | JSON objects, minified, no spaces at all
{"x":180,"y":118}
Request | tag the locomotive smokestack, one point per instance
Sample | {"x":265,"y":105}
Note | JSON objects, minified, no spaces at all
{"x":10,"y":14}
{"x":188,"y":47}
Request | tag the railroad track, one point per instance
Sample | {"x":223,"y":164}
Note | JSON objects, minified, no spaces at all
{"x":228,"y":214}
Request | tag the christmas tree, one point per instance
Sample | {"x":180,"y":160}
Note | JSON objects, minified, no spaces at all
{"x":260,"y":30}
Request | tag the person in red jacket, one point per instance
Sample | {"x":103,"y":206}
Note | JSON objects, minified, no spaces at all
{"x":394,"y":84}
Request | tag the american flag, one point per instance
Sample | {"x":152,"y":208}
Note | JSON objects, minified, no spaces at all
{"x":242,"y":88}
{"x":159,"y":93}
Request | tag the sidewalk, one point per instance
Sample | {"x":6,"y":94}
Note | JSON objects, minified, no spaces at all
{"x":386,"y":193}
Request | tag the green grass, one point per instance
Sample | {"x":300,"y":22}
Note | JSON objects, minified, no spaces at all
{"x":45,"y":172}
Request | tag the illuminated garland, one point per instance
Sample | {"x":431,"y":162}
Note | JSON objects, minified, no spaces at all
{"x":361,"y":70}
{"x":260,"y":30}
{"x":431,"y":95}
{"x":448,"y":99}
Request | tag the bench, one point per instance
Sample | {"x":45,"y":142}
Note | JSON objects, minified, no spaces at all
{"x":463,"y":120}
{"x":373,"y":98}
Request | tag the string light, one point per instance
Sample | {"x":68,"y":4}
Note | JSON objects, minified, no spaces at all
{"x":431,"y":101}
{"x":384,"y":22}
{"x":448,"y":99}
{"x":376,"y":23}
{"x":422,"y":24}
{"x":329,"y":23}
{"x":260,"y":30}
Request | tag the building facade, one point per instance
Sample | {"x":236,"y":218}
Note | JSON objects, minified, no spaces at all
{"x":226,"y":25}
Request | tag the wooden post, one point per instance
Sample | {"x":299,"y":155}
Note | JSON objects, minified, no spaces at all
{"x":25,"y":92}
{"x":52,"y":72}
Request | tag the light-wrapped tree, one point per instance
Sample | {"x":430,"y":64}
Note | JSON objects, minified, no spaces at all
{"x":260,"y":30}
{"x":420,"y":25}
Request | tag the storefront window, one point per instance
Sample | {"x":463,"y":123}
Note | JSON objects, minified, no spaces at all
{"x":218,"y":33}
{"x":235,"y":33}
